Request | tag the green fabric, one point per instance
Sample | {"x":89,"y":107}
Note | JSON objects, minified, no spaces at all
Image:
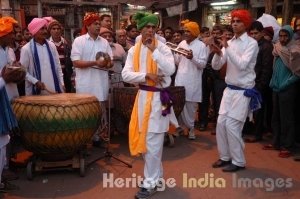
{"x":143,"y":19}
{"x":56,"y":125}
{"x":282,"y":77}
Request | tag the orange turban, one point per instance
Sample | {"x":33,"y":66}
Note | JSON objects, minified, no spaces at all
{"x":88,"y":19}
{"x":6,"y":25}
{"x":191,"y":26}
{"x":243,"y":15}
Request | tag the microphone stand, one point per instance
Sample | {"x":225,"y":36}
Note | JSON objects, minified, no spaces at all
{"x":107,"y":153}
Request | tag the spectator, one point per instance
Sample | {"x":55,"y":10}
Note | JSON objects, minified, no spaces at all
{"x":286,"y":72}
{"x":63,"y":48}
{"x":263,"y":71}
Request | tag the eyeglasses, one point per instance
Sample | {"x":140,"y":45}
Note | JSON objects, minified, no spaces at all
{"x":236,"y":21}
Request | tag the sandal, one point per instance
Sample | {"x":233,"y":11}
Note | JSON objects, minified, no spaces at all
{"x":297,"y":158}
{"x":269,"y":147}
{"x":285,"y":154}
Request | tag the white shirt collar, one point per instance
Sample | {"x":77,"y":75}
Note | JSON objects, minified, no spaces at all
{"x":243,"y":37}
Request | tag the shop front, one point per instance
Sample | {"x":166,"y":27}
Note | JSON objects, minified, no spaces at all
{"x":219,"y":13}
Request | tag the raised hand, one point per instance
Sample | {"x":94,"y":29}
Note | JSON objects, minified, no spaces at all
{"x":150,"y":44}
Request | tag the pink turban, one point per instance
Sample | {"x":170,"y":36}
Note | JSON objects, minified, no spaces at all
{"x":37,"y":23}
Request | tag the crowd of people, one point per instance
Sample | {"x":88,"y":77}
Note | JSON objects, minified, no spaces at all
{"x":237,"y":71}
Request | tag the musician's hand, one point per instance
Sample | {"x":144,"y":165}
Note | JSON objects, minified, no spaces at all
{"x":110,"y":64}
{"x":223,"y":41}
{"x":22,"y":44}
{"x":150,"y":44}
{"x":207,"y":40}
{"x":101,"y":62}
{"x":216,"y":49}
{"x":13,"y":75}
{"x":189,"y":55}
{"x":158,"y":79}
{"x":40,"y":85}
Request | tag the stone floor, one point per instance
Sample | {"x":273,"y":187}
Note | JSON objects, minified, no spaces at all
{"x":266,"y":175}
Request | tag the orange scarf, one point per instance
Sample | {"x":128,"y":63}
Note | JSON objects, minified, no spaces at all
{"x":137,"y":137}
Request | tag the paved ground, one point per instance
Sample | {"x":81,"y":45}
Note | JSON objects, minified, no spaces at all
{"x":267,"y":175}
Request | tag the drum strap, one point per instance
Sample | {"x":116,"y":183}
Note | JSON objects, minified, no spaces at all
{"x":7,"y":117}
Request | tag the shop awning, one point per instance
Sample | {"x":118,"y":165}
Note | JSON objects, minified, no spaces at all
{"x":152,"y":4}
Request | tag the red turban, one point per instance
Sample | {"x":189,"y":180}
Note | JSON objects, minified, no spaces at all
{"x":243,"y":15}
{"x":88,"y":19}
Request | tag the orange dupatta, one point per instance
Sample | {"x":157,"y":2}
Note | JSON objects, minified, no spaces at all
{"x":137,"y":137}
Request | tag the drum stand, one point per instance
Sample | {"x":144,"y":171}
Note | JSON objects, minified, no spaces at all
{"x":107,"y":153}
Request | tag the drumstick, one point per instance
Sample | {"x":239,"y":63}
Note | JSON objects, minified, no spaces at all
{"x":107,"y":70}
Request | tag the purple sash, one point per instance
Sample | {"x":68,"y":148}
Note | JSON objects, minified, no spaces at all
{"x":165,"y":97}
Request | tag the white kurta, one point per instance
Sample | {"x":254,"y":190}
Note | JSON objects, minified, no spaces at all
{"x":89,"y":80}
{"x":26,"y":59}
{"x":162,"y":55}
{"x":189,"y":73}
{"x":8,"y":57}
{"x":240,"y":56}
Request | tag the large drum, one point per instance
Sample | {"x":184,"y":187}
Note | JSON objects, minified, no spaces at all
{"x":57,"y":125}
{"x":124,"y":100}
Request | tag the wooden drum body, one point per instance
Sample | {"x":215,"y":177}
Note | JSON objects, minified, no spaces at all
{"x":124,"y":100}
{"x":59,"y":124}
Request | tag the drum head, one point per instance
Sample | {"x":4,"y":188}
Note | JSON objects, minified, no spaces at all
{"x":57,"y":99}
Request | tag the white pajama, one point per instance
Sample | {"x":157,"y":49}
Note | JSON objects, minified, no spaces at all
{"x":153,"y":170}
{"x":229,"y":138}
{"x":173,"y":119}
{"x":188,"y":114}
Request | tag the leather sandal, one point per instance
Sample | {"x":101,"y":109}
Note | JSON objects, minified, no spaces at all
{"x":269,"y":147}
{"x":285,"y":153}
